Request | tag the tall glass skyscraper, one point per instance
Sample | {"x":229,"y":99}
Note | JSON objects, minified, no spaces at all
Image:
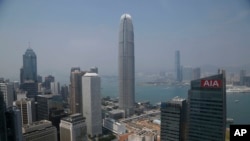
{"x":178,"y":66}
{"x":28,"y":74}
{"x":207,"y":109}
{"x":126,"y":65}
{"x":29,"y":65}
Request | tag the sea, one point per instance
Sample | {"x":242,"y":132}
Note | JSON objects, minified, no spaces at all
{"x":238,"y":104}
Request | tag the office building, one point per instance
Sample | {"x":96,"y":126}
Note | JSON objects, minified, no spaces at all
{"x":178,"y":73}
{"x":47,"y":80}
{"x":27,"y":109}
{"x":29,"y":66}
{"x":3,"y":129}
{"x":196,"y":73}
{"x":173,"y":119}
{"x":65,"y":92}
{"x":55,"y":87}
{"x":207,"y":108}
{"x":91,"y":97}
{"x":113,"y":126}
{"x":13,"y":124}
{"x":46,"y":104}
{"x":73,"y":128}
{"x":30,"y":87}
{"x":39,"y":131}
{"x":76,"y":90}
{"x":28,"y":73}
{"x":126,"y":65}
{"x":7,"y":90}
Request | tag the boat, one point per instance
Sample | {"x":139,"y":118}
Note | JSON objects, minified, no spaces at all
{"x":236,"y":101}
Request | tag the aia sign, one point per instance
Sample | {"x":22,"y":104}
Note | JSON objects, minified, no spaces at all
{"x":211,"y":83}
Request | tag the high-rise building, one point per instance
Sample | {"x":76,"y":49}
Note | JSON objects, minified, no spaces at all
{"x":46,"y":104}
{"x":55,"y":87}
{"x":3,"y":129}
{"x":29,"y":66}
{"x":207,"y":108}
{"x":73,"y":128}
{"x":242,"y":75}
{"x":91,"y":97}
{"x":126,"y":65}
{"x":39,"y":131}
{"x":65,"y":92}
{"x":8,"y":92}
{"x":76,"y":90}
{"x":196,"y":73}
{"x":31,"y":88}
{"x":13,"y":124}
{"x":28,"y":73}
{"x":47,"y":80}
{"x":178,"y":73}
{"x":27,"y":108}
{"x":173,"y":119}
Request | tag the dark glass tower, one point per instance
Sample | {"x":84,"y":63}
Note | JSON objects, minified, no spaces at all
{"x":178,"y":66}
{"x":207,"y":109}
{"x":126,"y":65}
{"x":28,"y":73}
{"x":29,"y":65}
{"x":173,"y":120}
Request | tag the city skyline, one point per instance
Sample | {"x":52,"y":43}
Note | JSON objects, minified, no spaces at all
{"x":84,"y":34}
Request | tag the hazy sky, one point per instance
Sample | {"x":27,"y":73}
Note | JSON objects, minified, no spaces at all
{"x":82,"y":33}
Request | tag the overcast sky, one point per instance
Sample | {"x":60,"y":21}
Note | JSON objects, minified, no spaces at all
{"x":82,"y":33}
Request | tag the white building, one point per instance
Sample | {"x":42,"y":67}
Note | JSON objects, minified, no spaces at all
{"x":91,"y":99}
{"x":27,"y":108}
{"x":73,"y":128}
{"x":8,"y":92}
{"x":55,"y":87}
{"x":115,"y":127}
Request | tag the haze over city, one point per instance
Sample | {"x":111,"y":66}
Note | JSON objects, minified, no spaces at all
{"x":65,"y":34}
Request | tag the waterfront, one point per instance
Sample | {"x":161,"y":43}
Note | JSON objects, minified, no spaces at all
{"x":237,"y":103}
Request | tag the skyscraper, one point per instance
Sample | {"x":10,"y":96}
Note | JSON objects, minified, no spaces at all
{"x":29,"y":65}
{"x":173,"y":119}
{"x":91,"y":97}
{"x":28,"y":73}
{"x":207,"y":108}
{"x":76,"y":90}
{"x":73,"y":128}
{"x":126,"y":65}
{"x":178,"y":66}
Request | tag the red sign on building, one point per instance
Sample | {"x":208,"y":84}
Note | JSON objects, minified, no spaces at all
{"x":211,"y":83}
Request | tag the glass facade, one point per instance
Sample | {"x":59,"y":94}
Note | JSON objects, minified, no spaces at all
{"x":207,"y":109}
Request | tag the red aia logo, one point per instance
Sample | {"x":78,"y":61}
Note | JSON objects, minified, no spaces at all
{"x":211,"y":83}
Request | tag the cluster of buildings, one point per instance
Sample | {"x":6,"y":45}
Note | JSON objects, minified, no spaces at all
{"x":37,"y":110}
{"x":42,"y":111}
